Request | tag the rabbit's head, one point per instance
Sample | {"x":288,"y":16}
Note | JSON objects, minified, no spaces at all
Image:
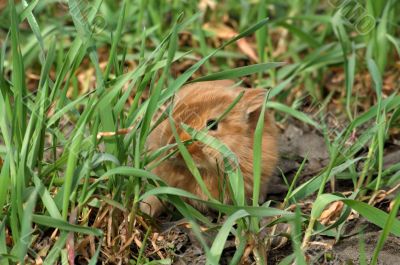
{"x":200,"y":105}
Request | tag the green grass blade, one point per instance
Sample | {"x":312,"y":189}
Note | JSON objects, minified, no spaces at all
{"x":47,"y":200}
{"x":156,"y":92}
{"x":395,"y":42}
{"x":260,"y":211}
{"x":18,"y":78}
{"x":65,"y":226}
{"x":4,"y":183}
{"x":116,"y":40}
{"x":69,"y":173}
{"x":386,"y":230}
{"x":220,"y":240}
{"x":292,"y":112}
{"x":3,"y":245}
{"x":21,"y":248}
{"x":257,"y":154}
{"x":240,"y":71}
{"x":55,"y":251}
{"x":296,"y":238}
{"x":32,"y":22}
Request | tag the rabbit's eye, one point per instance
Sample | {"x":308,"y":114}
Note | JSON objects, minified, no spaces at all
{"x":212,"y":125}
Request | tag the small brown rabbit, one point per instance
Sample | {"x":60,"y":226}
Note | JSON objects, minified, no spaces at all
{"x":199,"y":105}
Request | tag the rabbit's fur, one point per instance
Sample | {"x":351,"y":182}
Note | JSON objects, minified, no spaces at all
{"x":195,"y":105}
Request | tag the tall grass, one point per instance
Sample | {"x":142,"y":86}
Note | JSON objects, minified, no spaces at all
{"x":56,"y":174}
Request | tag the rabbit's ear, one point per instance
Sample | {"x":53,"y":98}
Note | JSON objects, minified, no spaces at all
{"x":253,"y":100}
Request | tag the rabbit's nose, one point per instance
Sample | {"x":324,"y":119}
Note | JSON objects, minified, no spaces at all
{"x":184,"y":136}
{"x":191,"y":147}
